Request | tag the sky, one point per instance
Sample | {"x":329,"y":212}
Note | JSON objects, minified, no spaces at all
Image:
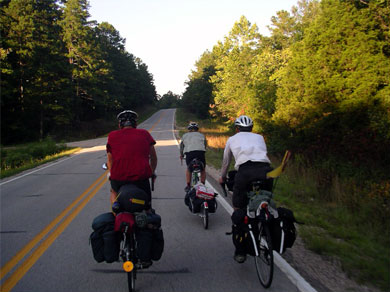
{"x":169,"y":36}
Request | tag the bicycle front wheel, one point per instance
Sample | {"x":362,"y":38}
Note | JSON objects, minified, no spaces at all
{"x":264,"y":261}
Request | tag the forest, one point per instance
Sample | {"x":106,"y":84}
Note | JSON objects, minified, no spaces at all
{"x":318,"y":85}
{"x":60,"y":70}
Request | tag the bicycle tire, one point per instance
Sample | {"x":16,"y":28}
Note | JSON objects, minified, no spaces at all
{"x":132,"y":275}
{"x":131,"y":281}
{"x":205,"y":216}
{"x":264,"y":262}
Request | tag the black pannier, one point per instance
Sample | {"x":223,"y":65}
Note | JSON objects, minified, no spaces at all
{"x":132,"y":199}
{"x":283,"y":231}
{"x":158,"y":244}
{"x":104,"y":240}
{"x":150,"y":238}
{"x":150,"y":244}
{"x":194,"y":203}
{"x":242,"y":239}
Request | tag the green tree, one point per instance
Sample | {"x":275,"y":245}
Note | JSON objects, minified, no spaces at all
{"x":232,"y":93}
{"x":32,"y":70}
{"x":199,"y":91}
{"x":169,"y":100}
{"x":334,"y":90}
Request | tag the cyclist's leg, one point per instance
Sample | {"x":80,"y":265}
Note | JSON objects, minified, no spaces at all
{"x":202,"y":158}
{"x":188,"y":172}
{"x":203,"y":176}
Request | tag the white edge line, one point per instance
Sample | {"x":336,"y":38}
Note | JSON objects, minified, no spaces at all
{"x":41,"y":168}
{"x":282,"y":264}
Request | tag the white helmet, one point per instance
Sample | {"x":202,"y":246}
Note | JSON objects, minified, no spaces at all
{"x":243,"y":121}
{"x":193,"y":126}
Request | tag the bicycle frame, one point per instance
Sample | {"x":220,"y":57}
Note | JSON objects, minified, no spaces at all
{"x":195,"y":176}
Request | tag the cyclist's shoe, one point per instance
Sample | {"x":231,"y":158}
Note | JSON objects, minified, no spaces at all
{"x":187,"y":189}
{"x":144,"y":264}
{"x":240,"y":258}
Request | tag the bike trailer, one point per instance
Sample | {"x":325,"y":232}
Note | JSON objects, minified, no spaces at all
{"x":104,"y":239}
{"x":132,"y":199}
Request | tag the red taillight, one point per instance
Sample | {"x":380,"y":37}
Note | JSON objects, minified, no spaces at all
{"x":264,"y":205}
{"x":246,"y":220}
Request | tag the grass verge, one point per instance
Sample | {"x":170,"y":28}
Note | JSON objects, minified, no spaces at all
{"x":19,"y":158}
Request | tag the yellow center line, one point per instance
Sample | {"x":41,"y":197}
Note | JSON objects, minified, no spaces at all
{"x":159,"y":120}
{"x":23,"y":268}
{"x":22,"y":253}
{"x":31,"y":260}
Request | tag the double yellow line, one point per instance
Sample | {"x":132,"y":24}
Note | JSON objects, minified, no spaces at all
{"x":69,"y":215}
{"x":77,"y":205}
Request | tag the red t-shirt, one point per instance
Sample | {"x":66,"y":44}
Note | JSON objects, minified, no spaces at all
{"x":130,"y":149}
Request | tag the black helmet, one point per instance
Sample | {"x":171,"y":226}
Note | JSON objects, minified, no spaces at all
{"x":193,"y":126}
{"x":127,"y":118}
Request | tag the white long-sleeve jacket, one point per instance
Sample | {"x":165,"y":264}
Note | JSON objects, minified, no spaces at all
{"x":244,"y":146}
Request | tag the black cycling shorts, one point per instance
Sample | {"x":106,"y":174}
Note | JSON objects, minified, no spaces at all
{"x":195,"y":154}
{"x":246,"y":173}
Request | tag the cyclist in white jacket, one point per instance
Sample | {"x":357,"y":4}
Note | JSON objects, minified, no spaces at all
{"x":251,"y":162}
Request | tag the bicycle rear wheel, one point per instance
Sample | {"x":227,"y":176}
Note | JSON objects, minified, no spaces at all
{"x":265,"y":260}
{"x":132,"y":274}
{"x":131,"y":281}
{"x":205,"y":215}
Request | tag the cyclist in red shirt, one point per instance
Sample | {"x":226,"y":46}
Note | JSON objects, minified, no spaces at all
{"x":131,"y":156}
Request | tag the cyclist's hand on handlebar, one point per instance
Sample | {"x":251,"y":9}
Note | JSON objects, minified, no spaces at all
{"x":154,"y":176}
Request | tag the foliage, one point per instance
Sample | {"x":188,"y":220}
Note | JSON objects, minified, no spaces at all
{"x":20,"y":156}
{"x":60,"y":70}
{"x":169,"y":100}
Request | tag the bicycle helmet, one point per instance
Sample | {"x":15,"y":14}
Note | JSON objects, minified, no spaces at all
{"x":193,"y":126}
{"x":243,"y":122}
{"x":127,"y":118}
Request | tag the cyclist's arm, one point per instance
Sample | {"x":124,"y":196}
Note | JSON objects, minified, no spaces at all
{"x":181,"y":149}
{"x":227,"y":157}
{"x":109,"y":161}
{"x":153,"y":158}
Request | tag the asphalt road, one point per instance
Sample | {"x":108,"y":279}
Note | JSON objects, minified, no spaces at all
{"x":46,"y":217}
